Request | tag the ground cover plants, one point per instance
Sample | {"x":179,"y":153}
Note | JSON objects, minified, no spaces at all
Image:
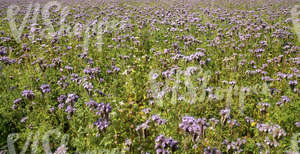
{"x":192,"y":76}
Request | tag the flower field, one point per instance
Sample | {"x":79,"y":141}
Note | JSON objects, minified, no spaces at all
{"x":150,"y":76}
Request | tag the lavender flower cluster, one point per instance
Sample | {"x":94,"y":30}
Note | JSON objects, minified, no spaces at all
{"x":263,"y":106}
{"x":275,"y":130}
{"x":162,"y":144}
{"x":195,"y":127}
{"x":235,"y":145}
{"x":16,"y":103}
{"x":284,"y":100}
{"x":28,"y":94}
{"x":103,"y":110}
{"x":211,"y":150}
{"x":45,"y":88}
{"x":154,"y":118}
{"x":67,"y":102}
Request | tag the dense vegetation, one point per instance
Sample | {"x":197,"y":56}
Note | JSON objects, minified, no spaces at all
{"x":205,"y":76}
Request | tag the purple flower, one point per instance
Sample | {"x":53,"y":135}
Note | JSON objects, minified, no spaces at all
{"x":162,"y":144}
{"x":28,"y":94}
{"x":14,"y":106}
{"x":83,"y":55}
{"x":263,"y":106}
{"x":293,"y":83}
{"x":69,"y":68}
{"x":100,"y":92}
{"x":3,"y":51}
{"x":61,"y":105}
{"x":72,"y":98}
{"x":103,"y":110}
{"x":7,"y":61}
{"x":297,"y":124}
{"x":91,"y":71}
{"x":101,"y":124}
{"x":143,"y":126}
{"x":233,"y":122}
{"x":24,"y":119}
{"x":195,"y":127}
{"x":210,"y":150}
{"x":45,"y":88}
{"x":158,"y":120}
{"x":235,"y":145}
{"x":225,"y":114}
{"x":18,"y":101}
{"x":272,"y":143}
{"x":88,"y":86}
{"x":52,"y":109}
{"x":285,"y":99}
{"x":91,"y":104}
{"x":70,"y":109}
{"x":155,"y":76}
{"x":128,"y":142}
{"x":275,"y":130}
{"x":61,"y":98}
{"x":75,"y":78}
{"x":249,"y":120}
{"x":116,"y":69}
{"x":147,"y":110}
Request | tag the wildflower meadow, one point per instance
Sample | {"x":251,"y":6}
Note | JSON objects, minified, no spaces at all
{"x":150,"y":76}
